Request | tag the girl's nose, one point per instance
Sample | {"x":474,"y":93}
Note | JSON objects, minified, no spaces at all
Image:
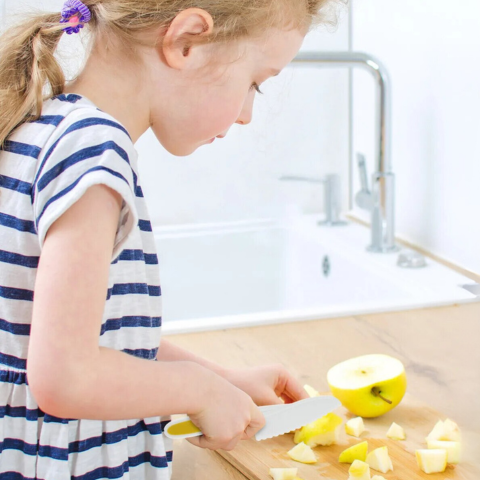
{"x":245,"y":116}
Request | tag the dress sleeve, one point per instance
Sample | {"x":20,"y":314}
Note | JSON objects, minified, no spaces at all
{"x":88,"y":148}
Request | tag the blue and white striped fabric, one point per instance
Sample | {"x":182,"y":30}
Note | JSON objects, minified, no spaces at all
{"x":45,"y":167}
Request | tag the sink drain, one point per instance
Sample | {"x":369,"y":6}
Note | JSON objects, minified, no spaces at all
{"x":326,"y":266}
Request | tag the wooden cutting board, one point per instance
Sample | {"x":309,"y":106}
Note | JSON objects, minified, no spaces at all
{"x":254,"y":459}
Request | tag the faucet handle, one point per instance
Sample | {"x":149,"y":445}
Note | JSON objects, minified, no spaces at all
{"x":363,"y":198}
{"x":362,"y":168}
{"x":332,"y":194}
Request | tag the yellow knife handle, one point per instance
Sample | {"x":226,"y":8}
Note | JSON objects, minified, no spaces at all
{"x":181,"y":428}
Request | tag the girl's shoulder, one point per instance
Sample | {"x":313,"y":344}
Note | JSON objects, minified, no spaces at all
{"x":72,"y":124}
{"x":72,"y":112}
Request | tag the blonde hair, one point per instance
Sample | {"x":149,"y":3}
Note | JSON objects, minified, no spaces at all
{"x":29,"y":71}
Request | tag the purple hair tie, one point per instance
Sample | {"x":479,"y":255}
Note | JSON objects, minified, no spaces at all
{"x":76,"y":14}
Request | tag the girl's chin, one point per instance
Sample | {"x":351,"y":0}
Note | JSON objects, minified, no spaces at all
{"x":184,"y":151}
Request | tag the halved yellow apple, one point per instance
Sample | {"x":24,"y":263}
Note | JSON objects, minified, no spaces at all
{"x":369,"y":385}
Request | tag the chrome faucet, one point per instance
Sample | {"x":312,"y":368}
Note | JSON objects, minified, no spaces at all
{"x":331,"y":194}
{"x":381,"y":198}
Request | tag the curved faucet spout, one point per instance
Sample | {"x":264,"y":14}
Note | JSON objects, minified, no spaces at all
{"x":383,"y":179}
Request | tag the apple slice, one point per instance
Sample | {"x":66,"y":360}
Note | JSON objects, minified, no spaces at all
{"x":355,"y":426}
{"x":451,"y":432}
{"x":359,"y":471}
{"x":432,"y":461}
{"x":311,"y":391}
{"x":302,"y":453}
{"x":323,"y":431}
{"x":356,"y":452}
{"x":436,"y":433}
{"x":446,"y":431}
{"x":283,"y":473}
{"x":379,"y":459}
{"x":370,"y":385}
{"x":396,"y":432}
{"x":452,"y":448}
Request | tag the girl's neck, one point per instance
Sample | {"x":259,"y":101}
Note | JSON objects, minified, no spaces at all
{"x":108,"y":82}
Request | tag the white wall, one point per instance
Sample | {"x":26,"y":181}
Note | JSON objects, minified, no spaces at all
{"x":431,"y":49}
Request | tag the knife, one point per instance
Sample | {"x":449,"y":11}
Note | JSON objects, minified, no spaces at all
{"x":279,"y":419}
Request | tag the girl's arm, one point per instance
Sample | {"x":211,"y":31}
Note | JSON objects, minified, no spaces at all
{"x":265,"y":384}
{"x":68,"y":373}
{"x":172,"y":353}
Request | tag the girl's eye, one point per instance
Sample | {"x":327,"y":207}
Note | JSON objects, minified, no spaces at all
{"x":257,"y":88}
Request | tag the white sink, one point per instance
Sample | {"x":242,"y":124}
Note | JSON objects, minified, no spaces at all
{"x":241,"y":274}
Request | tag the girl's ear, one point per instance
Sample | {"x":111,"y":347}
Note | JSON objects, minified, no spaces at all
{"x":177,"y":46}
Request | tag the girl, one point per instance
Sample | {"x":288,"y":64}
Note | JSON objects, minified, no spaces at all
{"x":85,"y":385}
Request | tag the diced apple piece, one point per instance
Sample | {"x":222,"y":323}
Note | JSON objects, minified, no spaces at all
{"x":452,"y":448}
{"x":298,"y":437}
{"x":302,"y":453}
{"x":445,"y":431}
{"x":283,"y":473}
{"x":432,"y":461}
{"x":396,"y":432}
{"x":359,"y":471}
{"x":323,"y":431}
{"x":356,"y":452}
{"x":355,"y":426}
{"x":311,"y":391}
{"x":436,"y":433}
{"x":379,"y":459}
{"x":451,"y":432}
{"x":378,"y":477}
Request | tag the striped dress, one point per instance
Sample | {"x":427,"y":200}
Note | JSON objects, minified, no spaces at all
{"x":45,"y":167}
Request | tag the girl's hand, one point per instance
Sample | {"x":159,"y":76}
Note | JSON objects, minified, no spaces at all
{"x":267,"y":385}
{"x":225,"y":414}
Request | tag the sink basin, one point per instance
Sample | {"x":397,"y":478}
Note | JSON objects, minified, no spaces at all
{"x":260,"y":272}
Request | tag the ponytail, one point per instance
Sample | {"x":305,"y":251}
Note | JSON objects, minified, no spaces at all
{"x":28,"y":71}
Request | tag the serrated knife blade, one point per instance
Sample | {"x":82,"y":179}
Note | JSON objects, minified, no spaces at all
{"x":279,"y":419}
{"x":288,"y":417}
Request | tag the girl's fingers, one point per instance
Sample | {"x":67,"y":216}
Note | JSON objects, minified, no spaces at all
{"x":215,"y":444}
{"x":293,"y":390}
